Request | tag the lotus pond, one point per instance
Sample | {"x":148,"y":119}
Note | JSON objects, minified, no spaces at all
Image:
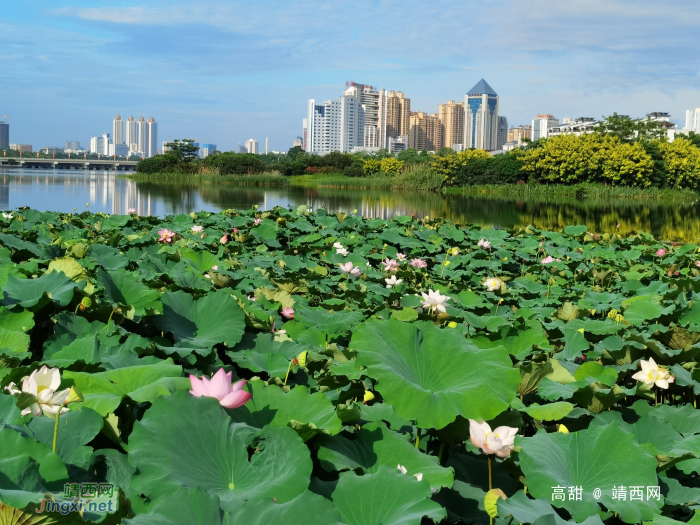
{"x":292,"y":367}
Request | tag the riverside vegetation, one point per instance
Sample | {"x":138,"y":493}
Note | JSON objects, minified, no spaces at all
{"x":291,"y":366}
{"x":622,"y":155}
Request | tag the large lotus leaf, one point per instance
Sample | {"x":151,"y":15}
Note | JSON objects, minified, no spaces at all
{"x":14,"y":344}
{"x":659,"y":436}
{"x":121,"y":288}
{"x":685,"y":419}
{"x":202,"y":261}
{"x":183,"y":441}
{"x":597,"y":458}
{"x":70,"y":267}
{"x":548,"y":412}
{"x":525,"y":510}
{"x":386,"y":496}
{"x":306,"y":509}
{"x":183,"y":506}
{"x":18,"y":244}
{"x":308,"y":414}
{"x":213,"y":319}
{"x":266,"y":352}
{"x":27,"y":469}
{"x":29,"y":292}
{"x":104,"y":391}
{"x":76,"y":428}
{"x":328,"y":321}
{"x":375,"y":445}
{"x":431,"y":375}
{"x":107,"y":257}
{"x":642,"y":311}
{"x":16,"y":321}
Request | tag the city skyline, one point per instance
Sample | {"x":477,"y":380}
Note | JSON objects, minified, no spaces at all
{"x":229,"y":72}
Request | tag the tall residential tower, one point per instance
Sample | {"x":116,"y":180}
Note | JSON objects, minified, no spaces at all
{"x":142,"y":129}
{"x":398,"y":115}
{"x":481,"y":119}
{"x":117,"y":130}
{"x":374,"y":102}
{"x":132,"y":136}
{"x":451,"y":117}
{"x":152,"y":142}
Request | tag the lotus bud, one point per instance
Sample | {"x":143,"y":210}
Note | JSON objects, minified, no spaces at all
{"x":74,"y":396}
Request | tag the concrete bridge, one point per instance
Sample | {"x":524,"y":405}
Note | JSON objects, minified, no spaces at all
{"x":70,"y":164}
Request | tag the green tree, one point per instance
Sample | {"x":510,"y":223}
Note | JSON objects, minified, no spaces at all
{"x":620,"y":126}
{"x":293,"y":152}
{"x":694,"y":138}
{"x":184,"y":149}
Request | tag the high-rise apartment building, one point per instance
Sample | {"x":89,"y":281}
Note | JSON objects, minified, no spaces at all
{"x":374,"y":102}
{"x":334,"y":125}
{"x":299,"y":141}
{"x":521,"y":132}
{"x":206,"y":150}
{"x":502,"y":137}
{"x":72,"y":145}
{"x":541,"y":125}
{"x":4,"y":135}
{"x":451,"y":116}
{"x":100,"y":145}
{"x":132,"y":135}
{"x":692,"y":120}
{"x":118,"y":130}
{"x":398,"y":114}
{"x":481,"y":117}
{"x":425,"y":131}
{"x":152,"y":138}
{"x":142,"y":133}
{"x":251,"y":146}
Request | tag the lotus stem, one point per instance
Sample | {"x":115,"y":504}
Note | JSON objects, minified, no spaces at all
{"x":287,"y":376}
{"x":489,"y":460}
{"x":442,"y":448}
{"x":418,"y":437}
{"x":55,"y":429}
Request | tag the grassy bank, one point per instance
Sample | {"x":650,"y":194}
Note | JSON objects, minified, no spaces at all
{"x":579,"y":191}
{"x":421,"y":180}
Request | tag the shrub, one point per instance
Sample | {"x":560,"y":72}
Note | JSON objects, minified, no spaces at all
{"x":237,"y":163}
{"x":158,"y":164}
{"x":354,"y":170}
{"x":391,"y":166}
{"x":371,"y":167}
{"x":682,"y":164}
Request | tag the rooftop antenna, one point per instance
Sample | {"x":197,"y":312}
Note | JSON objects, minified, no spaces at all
{"x":6,"y":117}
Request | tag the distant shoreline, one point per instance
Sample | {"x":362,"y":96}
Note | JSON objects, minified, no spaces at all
{"x":338,"y":180}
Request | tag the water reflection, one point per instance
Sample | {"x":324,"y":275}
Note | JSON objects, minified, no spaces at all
{"x":106,"y":192}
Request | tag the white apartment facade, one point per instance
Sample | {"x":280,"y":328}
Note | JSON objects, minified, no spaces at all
{"x":251,"y":146}
{"x":692,"y":120}
{"x":541,"y":125}
{"x":334,"y":125}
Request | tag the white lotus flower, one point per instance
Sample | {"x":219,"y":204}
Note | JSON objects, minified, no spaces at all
{"x":653,"y":374}
{"x":342,"y":251}
{"x":499,"y":442}
{"x":42,"y":384}
{"x":434,"y":301}
{"x":484,"y":244}
{"x":393,"y":281}
{"x":197,"y":228}
{"x":7,"y":216}
{"x":131,"y":211}
{"x":492,"y":284}
{"x":403,"y":470}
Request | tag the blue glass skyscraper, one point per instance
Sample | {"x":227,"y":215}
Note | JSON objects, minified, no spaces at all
{"x":481,"y":117}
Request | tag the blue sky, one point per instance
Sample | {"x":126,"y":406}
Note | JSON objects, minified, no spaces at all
{"x":225,"y":71}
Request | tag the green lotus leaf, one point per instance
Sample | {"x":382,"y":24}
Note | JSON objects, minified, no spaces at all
{"x":685,"y":419}
{"x":375,"y":445}
{"x":549,"y":412}
{"x":122,"y":289}
{"x":54,"y":286}
{"x":107,"y":257}
{"x":76,"y":428}
{"x":306,"y":509}
{"x":525,"y":510}
{"x":202,"y":261}
{"x":641,"y":311}
{"x":99,"y":393}
{"x":327,"y":321}
{"x":13,"y":344}
{"x":308,"y":414}
{"x":68,"y":266}
{"x":20,"y":245}
{"x":266,"y":352}
{"x":183,"y":506}
{"x":603,"y":457}
{"x":28,"y":469}
{"x":576,"y":231}
{"x":386,"y":496}
{"x":213,"y":319}
{"x":183,"y":441}
{"x":16,"y":321}
{"x":431,"y":375}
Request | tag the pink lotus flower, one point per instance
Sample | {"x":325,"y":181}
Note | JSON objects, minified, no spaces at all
{"x":220,"y":387}
{"x":390,"y":265}
{"x":131,"y":211}
{"x":697,"y":263}
{"x":257,"y":221}
{"x":547,"y":260}
{"x":484,"y":244}
{"x":350,"y":269}
{"x":499,"y":441}
{"x":660,"y":252}
{"x":224,"y":239}
{"x":419,"y":263}
{"x":215,"y":267}
{"x":235,"y":230}
{"x":287,"y":312}
{"x":165,"y":235}
{"x":618,"y":225}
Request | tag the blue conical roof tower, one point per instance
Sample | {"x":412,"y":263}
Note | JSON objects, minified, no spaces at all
{"x":481,"y":88}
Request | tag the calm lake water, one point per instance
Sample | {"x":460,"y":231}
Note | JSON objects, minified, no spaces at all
{"x":61,"y":190}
